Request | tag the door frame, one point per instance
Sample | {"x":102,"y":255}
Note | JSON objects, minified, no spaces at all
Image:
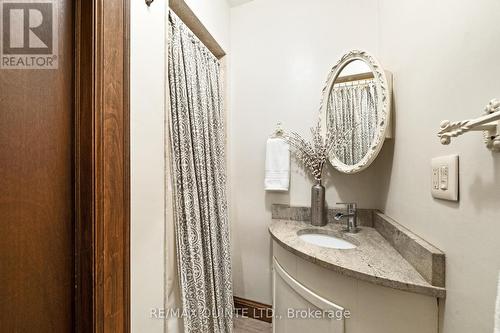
{"x":102,"y":167}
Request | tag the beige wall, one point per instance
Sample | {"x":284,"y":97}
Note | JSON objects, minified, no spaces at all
{"x":444,"y":57}
{"x":279,"y":63}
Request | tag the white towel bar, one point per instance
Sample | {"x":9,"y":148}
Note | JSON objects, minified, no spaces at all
{"x":489,"y":123}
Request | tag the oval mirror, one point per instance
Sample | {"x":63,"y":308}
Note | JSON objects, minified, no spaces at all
{"x":356,"y":105}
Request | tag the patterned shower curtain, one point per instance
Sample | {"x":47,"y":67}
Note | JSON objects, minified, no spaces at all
{"x":354,"y":106}
{"x":197,"y":138}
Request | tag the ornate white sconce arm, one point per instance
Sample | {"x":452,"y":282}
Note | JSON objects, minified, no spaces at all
{"x":489,"y":123}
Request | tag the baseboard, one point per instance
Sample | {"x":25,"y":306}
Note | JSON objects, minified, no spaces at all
{"x":252,"y":309}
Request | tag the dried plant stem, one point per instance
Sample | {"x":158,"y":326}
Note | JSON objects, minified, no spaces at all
{"x":313,"y":154}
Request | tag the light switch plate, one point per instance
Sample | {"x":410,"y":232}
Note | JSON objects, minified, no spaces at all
{"x":444,"y":177}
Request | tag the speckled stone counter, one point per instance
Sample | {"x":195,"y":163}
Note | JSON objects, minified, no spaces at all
{"x":374,"y":259}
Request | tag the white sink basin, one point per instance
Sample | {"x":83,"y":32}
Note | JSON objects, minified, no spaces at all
{"x":325,"y":240}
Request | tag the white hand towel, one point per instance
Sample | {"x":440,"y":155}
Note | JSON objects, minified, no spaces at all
{"x":497,"y":309}
{"x":277,"y":165}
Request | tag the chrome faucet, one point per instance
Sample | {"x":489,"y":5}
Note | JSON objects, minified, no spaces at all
{"x":351,"y":215}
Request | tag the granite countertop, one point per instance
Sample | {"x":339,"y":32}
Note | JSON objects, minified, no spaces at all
{"x":374,"y":259}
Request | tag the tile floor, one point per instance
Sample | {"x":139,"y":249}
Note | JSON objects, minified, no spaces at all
{"x":249,"y":325}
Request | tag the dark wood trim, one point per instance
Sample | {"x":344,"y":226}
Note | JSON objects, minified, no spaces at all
{"x":182,"y":10}
{"x":84,"y":171}
{"x":252,"y":309}
{"x":102,"y":176}
{"x":126,"y":163}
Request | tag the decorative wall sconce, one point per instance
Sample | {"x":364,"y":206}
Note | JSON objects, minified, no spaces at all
{"x":149,"y":2}
{"x":489,"y":123}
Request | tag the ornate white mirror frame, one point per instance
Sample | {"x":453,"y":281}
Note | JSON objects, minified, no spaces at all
{"x":383,"y":83}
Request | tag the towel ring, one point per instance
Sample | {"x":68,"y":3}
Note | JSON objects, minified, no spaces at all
{"x":278,"y":131}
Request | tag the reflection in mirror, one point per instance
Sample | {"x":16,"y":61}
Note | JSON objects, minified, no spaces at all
{"x":352,"y":105}
{"x":357,"y":101}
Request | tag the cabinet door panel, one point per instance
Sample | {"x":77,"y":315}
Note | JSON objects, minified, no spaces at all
{"x":298,"y":309}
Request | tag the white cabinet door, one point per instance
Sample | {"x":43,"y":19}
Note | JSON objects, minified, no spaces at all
{"x":299,"y":310}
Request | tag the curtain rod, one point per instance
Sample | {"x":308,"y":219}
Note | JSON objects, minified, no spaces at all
{"x":173,"y":17}
{"x":186,"y":15}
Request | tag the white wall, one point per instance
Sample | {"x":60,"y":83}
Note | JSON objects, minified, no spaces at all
{"x":148,"y":86}
{"x":214,"y":14}
{"x":444,"y":57}
{"x":147,"y":77}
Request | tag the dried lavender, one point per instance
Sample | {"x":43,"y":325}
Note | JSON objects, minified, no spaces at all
{"x":314,"y":154}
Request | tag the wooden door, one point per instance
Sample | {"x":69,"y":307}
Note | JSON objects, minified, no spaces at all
{"x":36,"y":188}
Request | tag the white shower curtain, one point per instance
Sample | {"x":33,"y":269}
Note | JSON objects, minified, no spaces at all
{"x":198,"y":185}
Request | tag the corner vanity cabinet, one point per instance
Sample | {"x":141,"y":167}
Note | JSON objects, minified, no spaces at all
{"x":310,"y":298}
{"x":391,"y":282}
